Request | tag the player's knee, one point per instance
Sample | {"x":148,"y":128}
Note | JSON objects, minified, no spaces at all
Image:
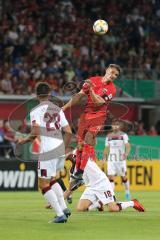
{"x":80,"y":208}
{"x":124,"y":179}
{"x":113,"y":207}
{"x":80,"y":146}
{"x":90,"y":138}
{"x":43,"y":184}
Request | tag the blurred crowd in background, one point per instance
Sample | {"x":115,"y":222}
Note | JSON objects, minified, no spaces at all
{"x":53,"y":41}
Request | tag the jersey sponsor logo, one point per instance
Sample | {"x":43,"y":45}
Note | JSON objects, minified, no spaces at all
{"x":11,"y":179}
{"x":115,"y":138}
{"x":104,"y":90}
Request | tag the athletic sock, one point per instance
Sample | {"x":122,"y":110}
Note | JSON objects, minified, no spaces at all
{"x":51,"y":198}
{"x":59,"y":193}
{"x":87,"y":152}
{"x":124,"y":205}
{"x":78,"y":158}
{"x":61,"y":183}
{"x":126,"y":186}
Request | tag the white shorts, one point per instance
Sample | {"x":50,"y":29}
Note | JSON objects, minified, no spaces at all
{"x":118,"y":168}
{"x":103,"y":192}
{"x":48,"y":169}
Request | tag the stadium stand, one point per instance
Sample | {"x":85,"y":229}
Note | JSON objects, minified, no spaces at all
{"x":49,"y":40}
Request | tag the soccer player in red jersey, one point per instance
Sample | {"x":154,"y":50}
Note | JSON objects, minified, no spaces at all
{"x":100,"y":90}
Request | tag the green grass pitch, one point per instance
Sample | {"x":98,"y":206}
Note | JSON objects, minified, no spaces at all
{"x":23,"y":216}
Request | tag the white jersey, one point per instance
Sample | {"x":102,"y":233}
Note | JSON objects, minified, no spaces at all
{"x":116,"y":143}
{"x":93,"y":176}
{"x":50,"y":119}
{"x":98,"y":186}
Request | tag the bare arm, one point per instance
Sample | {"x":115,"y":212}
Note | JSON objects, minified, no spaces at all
{"x":74,"y":100}
{"x":127,"y":149}
{"x":105,"y":153}
{"x":67,"y":135}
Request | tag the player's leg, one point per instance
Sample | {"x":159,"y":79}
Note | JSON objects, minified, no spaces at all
{"x":83,"y":205}
{"x":122,"y":171}
{"x":125,"y":182}
{"x":96,"y":205}
{"x":108,"y":198}
{"x":68,"y":191}
{"x":113,"y":206}
{"x":87,"y":151}
{"x":90,"y":125}
{"x":111,"y":179}
{"x":87,"y":199}
{"x":111,"y":172}
{"x":61,"y":183}
{"x":51,"y":198}
{"x":80,"y":139}
{"x":57,"y":165}
{"x":59,"y":193}
{"x":79,"y":154}
{"x":94,"y":125}
{"x":117,"y":207}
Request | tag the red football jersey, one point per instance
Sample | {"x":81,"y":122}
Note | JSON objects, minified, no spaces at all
{"x":105,"y":90}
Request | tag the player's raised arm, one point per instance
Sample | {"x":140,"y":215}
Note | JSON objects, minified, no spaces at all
{"x":74,"y":100}
{"x":78,"y":97}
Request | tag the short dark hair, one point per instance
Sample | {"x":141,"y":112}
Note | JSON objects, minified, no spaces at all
{"x":43,"y":89}
{"x":115,"y":66}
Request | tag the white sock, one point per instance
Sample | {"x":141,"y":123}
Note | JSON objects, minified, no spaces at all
{"x":59,"y":193}
{"x":51,"y":198}
{"x":94,"y":205}
{"x":113,"y":185}
{"x":126,"y":186}
{"x":125,"y":205}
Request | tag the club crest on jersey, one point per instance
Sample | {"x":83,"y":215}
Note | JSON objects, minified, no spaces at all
{"x":104,"y":90}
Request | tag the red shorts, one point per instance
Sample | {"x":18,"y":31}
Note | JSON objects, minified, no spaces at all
{"x":89,"y":123}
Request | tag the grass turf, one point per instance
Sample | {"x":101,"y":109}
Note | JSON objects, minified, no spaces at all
{"x":23,"y":216}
